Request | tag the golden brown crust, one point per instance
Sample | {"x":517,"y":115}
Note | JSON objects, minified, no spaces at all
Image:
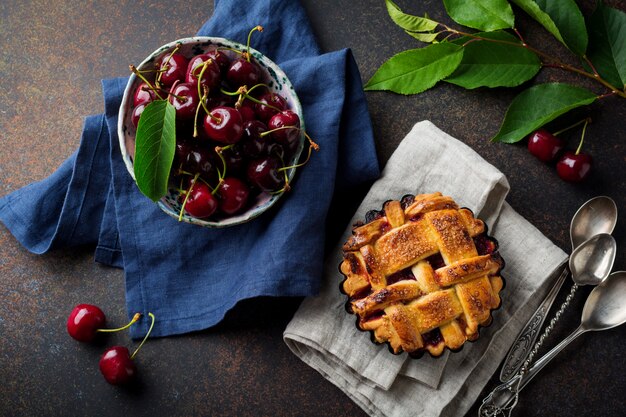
{"x":415,"y":278}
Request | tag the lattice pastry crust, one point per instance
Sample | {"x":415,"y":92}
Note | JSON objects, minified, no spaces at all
{"x":422,"y":274}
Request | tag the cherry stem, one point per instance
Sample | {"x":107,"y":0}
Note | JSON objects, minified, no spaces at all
{"x":205,"y":64}
{"x":135,"y":318}
{"x":312,"y":145}
{"x":582,"y":136}
{"x":182,"y":207}
{"x":164,"y":64}
{"x":260,"y":29}
{"x":586,"y":120}
{"x":519,"y":35}
{"x":134,"y":70}
{"x":195,"y":118}
{"x":145,"y":338}
{"x":593,"y":68}
{"x":221,"y":174}
{"x":267,"y":132}
{"x":551,"y":61}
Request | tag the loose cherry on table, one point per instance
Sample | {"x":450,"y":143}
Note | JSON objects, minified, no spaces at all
{"x":544,"y":145}
{"x":575,"y":166}
{"x":86,"y":321}
{"x":117,"y":365}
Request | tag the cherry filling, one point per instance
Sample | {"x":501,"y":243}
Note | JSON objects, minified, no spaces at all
{"x":416,"y":217}
{"x":372,"y":215}
{"x":484,"y":245}
{"x":436,"y":261}
{"x":406,"y":201}
{"x":404,"y":275}
{"x":433,"y":337}
{"x":374,"y":316}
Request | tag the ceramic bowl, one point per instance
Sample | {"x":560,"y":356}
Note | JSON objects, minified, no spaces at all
{"x":273,"y":76}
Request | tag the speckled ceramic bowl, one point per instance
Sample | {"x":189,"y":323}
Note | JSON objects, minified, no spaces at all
{"x":273,"y":76}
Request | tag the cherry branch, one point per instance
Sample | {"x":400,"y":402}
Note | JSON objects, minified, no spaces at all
{"x":551,"y":61}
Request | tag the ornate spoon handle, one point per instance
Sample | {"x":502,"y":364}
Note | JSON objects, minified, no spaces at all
{"x":503,"y":398}
{"x":526,"y":339}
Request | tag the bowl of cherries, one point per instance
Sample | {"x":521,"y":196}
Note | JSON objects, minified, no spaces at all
{"x":211,"y":130}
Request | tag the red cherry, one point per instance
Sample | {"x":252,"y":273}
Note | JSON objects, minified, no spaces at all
{"x":84,"y":321}
{"x":201,"y":202}
{"x":224,"y":124}
{"x":252,"y":144}
{"x":220,"y":58}
{"x":243,"y":72}
{"x":264,"y":174}
{"x":285,"y":127}
{"x":270,"y":104}
{"x":233,"y":195}
{"x":210,"y":78}
{"x":173,"y":67}
{"x":117,"y":366}
{"x":143,"y":94}
{"x":184,"y":98}
{"x":544,"y":145}
{"x":247,"y":113}
{"x":137,"y":113}
{"x":574,"y":167}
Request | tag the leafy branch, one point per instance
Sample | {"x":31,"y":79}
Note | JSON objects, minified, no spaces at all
{"x":498,"y":56}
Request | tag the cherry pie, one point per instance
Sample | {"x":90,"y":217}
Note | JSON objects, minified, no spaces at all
{"x":421,"y":274}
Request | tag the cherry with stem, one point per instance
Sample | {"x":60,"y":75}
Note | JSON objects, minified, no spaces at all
{"x":117,"y":365}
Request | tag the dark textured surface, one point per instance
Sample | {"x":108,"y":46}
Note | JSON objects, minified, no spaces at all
{"x":53,"y":57}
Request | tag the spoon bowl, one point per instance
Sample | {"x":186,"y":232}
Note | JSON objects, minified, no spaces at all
{"x":605,"y":307}
{"x":591,"y":262}
{"x":597,"y":215}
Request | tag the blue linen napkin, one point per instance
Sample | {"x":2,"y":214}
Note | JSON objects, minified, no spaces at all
{"x":190,"y":276}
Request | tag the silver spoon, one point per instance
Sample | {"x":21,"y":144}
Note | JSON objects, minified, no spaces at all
{"x":605,"y":308}
{"x":598,"y":215}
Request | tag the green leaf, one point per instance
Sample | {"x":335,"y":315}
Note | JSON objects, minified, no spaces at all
{"x":155,"y":144}
{"x":491,"y":64}
{"x":607,"y":44}
{"x":423,"y":37}
{"x":561,"y":18}
{"x":486,"y":15}
{"x":407,"y":21}
{"x":416,"y":70}
{"x":539,"y":105}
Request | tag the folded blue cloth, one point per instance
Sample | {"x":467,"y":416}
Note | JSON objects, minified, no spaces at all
{"x":190,"y":276}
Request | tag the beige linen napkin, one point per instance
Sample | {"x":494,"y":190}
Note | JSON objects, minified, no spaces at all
{"x":325,"y":337}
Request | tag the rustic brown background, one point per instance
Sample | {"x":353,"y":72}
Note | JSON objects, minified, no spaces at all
{"x":53,"y":57}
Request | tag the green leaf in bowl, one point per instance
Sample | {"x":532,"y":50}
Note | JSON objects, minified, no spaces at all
{"x":155,"y":144}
